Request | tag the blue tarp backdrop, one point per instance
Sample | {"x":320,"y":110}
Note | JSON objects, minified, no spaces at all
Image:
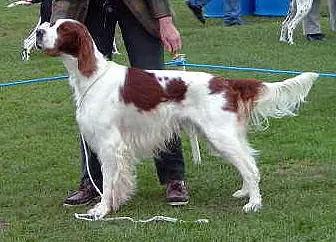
{"x":214,"y":9}
{"x":271,"y":7}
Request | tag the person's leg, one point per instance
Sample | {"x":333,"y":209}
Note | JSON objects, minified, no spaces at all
{"x":196,"y":7}
{"x":332,"y":14}
{"x":90,"y":160}
{"x":200,"y":3}
{"x":232,"y":9}
{"x":101,"y":28}
{"x":146,"y":52}
{"x":45,"y":10}
{"x":311,"y":23}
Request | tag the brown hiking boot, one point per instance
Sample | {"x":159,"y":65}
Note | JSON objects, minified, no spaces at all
{"x":85,"y":194}
{"x":177,"y":193}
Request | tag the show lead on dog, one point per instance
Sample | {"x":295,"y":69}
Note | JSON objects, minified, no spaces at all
{"x":146,"y":27}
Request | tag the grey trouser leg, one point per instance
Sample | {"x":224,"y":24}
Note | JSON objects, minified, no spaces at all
{"x":311,"y":23}
{"x":332,"y":14}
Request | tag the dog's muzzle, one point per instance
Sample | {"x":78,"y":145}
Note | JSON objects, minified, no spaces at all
{"x":39,"y":38}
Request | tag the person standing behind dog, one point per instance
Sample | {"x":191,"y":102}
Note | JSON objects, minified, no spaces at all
{"x":147,"y":28}
{"x":311,"y":23}
{"x":231,"y":11}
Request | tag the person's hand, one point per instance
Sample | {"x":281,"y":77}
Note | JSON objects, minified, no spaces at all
{"x":170,"y":36}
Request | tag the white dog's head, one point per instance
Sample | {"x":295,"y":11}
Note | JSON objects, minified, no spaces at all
{"x":68,"y":37}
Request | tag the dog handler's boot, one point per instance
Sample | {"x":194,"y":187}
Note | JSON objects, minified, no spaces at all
{"x":85,"y":194}
{"x":177,"y":193}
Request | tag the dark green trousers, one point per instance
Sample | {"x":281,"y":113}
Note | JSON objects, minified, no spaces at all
{"x":144,"y":51}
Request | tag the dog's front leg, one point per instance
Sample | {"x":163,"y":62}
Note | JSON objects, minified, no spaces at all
{"x":118,"y":179}
{"x":283,"y":36}
{"x":107,"y":154}
{"x":284,"y":29}
{"x":288,"y":19}
{"x":105,"y":205}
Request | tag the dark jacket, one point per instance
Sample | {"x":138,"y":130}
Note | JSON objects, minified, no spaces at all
{"x":146,"y":11}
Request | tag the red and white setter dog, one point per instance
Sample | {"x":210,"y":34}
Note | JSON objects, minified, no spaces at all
{"x":127,"y":113}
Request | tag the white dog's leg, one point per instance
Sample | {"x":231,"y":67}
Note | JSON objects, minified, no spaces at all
{"x":283,"y":32}
{"x":242,"y":136}
{"x":289,"y":17}
{"x":243,"y":192}
{"x":228,"y":144}
{"x":118,"y":179}
{"x":195,"y":150}
{"x":303,"y":7}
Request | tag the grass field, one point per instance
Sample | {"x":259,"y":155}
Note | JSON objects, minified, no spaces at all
{"x":39,"y":161}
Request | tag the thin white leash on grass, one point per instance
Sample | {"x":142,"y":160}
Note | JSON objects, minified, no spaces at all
{"x":90,"y":218}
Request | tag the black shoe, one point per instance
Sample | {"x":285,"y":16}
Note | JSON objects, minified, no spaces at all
{"x":85,"y":194}
{"x":315,"y":37}
{"x":235,"y":22}
{"x":197,"y":11}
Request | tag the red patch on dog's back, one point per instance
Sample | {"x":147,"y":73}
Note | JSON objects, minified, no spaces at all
{"x":235,"y":91}
{"x":143,"y":89}
{"x":176,"y":89}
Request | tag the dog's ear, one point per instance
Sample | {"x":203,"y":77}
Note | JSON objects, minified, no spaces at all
{"x":86,"y":56}
{"x":74,"y":39}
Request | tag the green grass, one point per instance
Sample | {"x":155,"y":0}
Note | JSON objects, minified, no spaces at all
{"x":39,"y":161}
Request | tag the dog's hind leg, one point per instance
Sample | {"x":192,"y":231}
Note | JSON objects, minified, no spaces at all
{"x":242,"y":135}
{"x":118,"y":179}
{"x":226,"y":141}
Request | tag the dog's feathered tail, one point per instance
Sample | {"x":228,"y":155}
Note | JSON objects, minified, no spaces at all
{"x":280,"y":99}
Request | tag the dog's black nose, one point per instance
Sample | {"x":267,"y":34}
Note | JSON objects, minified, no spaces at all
{"x":39,"y":37}
{"x":40,"y":33}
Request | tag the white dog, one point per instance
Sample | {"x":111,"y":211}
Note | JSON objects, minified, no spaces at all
{"x":127,"y":113}
{"x":297,"y":11}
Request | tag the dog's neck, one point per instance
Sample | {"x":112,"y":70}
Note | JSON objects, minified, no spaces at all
{"x":79,"y":82}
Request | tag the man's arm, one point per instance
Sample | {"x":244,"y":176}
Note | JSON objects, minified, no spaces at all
{"x":74,"y":9}
{"x":169,"y":35}
{"x":159,"y":8}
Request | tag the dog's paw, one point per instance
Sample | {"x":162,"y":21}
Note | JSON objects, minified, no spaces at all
{"x":283,"y":39}
{"x":252,"y":207}
{"x":99,"y":211}
{"x":240,"y":193}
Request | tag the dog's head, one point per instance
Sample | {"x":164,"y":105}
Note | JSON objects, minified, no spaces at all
{"x":68,"y":37}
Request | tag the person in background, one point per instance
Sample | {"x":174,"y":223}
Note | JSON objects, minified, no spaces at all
{"x":231,"y":11}
{"x":45,"y":10}
{"x":147,"y":28}
{"x":311,"y":23}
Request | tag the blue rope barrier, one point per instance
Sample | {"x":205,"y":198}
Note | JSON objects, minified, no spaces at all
{"x":178,"y":63}
{"x":46,"y":79}
{"x":232,"y":68}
